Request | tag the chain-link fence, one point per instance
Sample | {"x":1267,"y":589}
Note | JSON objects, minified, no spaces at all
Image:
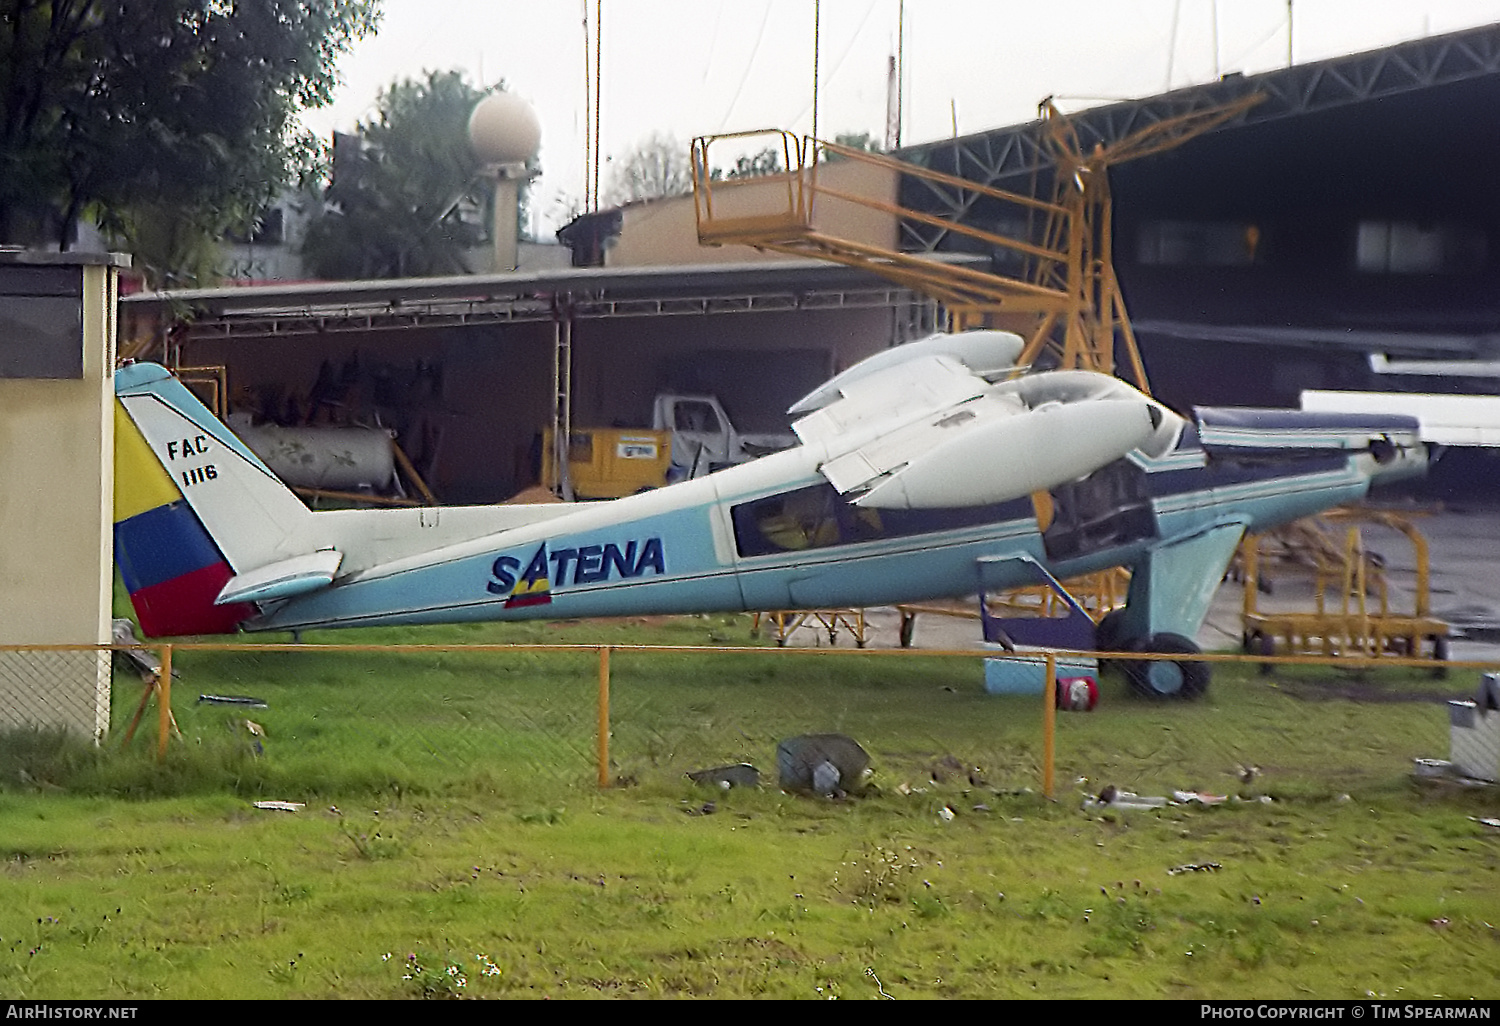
{"x":60,"y":687}
{"x":293,"y":721}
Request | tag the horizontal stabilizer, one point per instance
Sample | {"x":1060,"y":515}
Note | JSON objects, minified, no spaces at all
{"x":282,"y":579}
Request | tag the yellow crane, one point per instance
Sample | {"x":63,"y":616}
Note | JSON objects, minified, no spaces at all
{"x":1067,"y":305}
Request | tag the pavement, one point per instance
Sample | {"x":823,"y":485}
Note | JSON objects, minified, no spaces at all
{"x":1464,"y":565}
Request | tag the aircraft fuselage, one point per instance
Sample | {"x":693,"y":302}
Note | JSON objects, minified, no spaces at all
{"x":774,"y":534}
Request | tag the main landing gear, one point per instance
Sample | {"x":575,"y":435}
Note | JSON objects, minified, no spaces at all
{"x":1183,"y":678}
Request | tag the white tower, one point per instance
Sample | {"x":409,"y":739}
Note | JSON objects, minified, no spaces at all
{"x":504,"y":133}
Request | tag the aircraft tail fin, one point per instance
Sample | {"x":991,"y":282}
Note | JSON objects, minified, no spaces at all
{"x":193,"y":507}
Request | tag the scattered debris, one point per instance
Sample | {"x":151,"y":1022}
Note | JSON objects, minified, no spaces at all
{"x":245,"y":700}
{"x":281,"y":806}
{"x":143,"y":662}
{"x":1113,"y":798}
{"x":825,"y":764}
{"x":724,"y":777}
{"x":1432,"y":767}
{"x":1486,"y":821}
{"x":255,"y":730}
{"x":1077,"y":694}
{"x":706,"y":809}
{"x":1441,"y":771}
{"x":942,"y":768}
{"x":946,"y":814}
{"x":1195,"y":867}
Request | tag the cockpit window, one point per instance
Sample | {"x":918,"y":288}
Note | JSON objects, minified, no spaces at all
{"x":818,"y":517}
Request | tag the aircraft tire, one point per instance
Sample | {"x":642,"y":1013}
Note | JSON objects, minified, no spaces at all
{"x":1260,"y":643}
{"x":1168,"y":678}
{"x":1440,"y":653}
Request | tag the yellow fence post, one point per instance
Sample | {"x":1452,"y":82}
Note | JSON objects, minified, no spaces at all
{"x":604,"y":716}
{"x":164,"y":703}
{"x":1049,"y":722}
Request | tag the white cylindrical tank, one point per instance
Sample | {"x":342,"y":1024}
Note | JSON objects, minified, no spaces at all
{"x":343,"y":459}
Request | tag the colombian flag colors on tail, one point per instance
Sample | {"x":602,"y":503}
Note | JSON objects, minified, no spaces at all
{"x":171,"y":567}
{"x":203,"y":528}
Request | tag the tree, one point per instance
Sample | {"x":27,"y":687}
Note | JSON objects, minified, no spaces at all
{"x":128,"y":111}
{"x":854,"y":141}
{"x":753,"y":165}
{"x":408,"y":196}
{"x":657,"y":168}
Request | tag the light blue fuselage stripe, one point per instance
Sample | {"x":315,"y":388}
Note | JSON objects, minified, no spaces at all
{"x":693,"y":579}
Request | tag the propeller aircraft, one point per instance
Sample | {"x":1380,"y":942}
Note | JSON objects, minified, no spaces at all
{"x":930,"y":470}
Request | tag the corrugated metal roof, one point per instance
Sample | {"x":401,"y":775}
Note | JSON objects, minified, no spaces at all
{"x":592,"y":282}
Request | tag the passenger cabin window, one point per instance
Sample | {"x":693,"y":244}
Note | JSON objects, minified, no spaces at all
{"x":818,"y":517}
{"x":1410,"y":247}
{"x":1199,"y":243}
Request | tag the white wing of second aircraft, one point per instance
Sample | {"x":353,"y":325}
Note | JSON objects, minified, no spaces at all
{"x":1444,"y":419}
{"x":930,"y":432}
{"x":986,"y":353}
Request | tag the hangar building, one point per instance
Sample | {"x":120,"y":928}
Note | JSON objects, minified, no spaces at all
{"x":1346,"y":214}
{"x":1350,"y":212}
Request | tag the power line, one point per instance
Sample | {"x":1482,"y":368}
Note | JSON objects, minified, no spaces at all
{"x":745,"y":77}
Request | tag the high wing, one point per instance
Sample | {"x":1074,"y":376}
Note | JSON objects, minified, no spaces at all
{"x":931,"y":432}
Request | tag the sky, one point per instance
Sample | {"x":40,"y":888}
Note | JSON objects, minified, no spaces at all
{"x":685,"y":68}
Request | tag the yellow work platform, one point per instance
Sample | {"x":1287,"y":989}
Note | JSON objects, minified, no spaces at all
{"x":1351,"y":596}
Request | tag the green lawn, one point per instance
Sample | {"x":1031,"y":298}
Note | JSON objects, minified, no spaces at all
{"x":451,"y":820}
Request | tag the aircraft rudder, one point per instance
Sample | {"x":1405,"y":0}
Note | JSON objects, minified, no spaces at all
{"x":171,"y":567}
{"x":250,"y":514}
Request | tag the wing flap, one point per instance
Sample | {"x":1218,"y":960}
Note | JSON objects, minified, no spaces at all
{"x":886,"y":401}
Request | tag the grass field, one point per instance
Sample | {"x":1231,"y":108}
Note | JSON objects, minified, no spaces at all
{"x":452,"y":825}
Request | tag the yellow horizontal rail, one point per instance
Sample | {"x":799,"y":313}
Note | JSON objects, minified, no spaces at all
{"x":161,"y":685}
{"x":987,"y":653}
